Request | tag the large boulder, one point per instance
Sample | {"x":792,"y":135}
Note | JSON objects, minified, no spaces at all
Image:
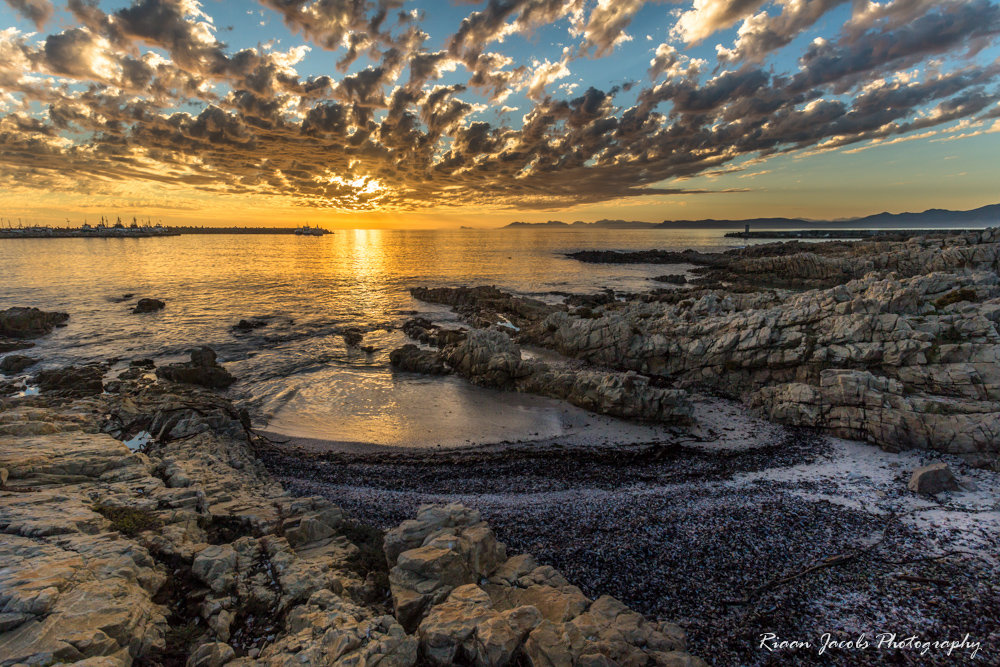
{"x":466,"y":629}
{"x":201,"y":370}
{"x":416,"y":360}
{"x":84,"y":380}
{"x":447,"y":557}
{"x":489,"y":358}
{"x":445,"y":547}
{"x":20,"y":322}
{"x":933,"y":479}
{"x":430,"y":518}
{"x":15,"y":363}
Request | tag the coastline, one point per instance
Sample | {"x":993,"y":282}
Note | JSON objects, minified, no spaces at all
{"x":186,"y":550}
{"x":655,"y":524}
{"x":744,"y":513}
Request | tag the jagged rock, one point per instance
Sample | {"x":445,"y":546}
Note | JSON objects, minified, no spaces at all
{"x":75,"y":589}
{"x":430,"y":518}
{"x":90,"y":496}
{"x":486,"y":306}
{"x":933,"y":479}
{"x":15,"y":363}
{"x":457,"y":548}
{"x":426,"y":575}
{"x":860,"y":405}
{"x":469,"y":605}
{"x":465,"y":629}
{"x":312,"y":523}
{"x":589,"y":301}
{"x":450,"y":627}
{"x":414,"y":359}
{"x":331,"y":630}
{"x":148,"y":306}
{"x":878,"y":357}
{"x":672,"y":279}
{"x":556,"y":602}
{"x":72,"y":380}
{"x":213,"y":654}
{"x":203,"y":356}
{"x":425,"y":331}
{"x":201,"y":370}
{"x":492,"y":359}
{"x":19,"y":322}
{"x":215,"y":566}
{"x":600,"y":641}
{"x":895,"y":341}
{"x":489,"y":358}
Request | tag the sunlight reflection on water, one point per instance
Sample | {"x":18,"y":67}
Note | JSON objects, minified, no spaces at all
{"x":297,"y":371}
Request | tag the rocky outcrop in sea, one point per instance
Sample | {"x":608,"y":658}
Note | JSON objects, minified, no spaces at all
{"x":18,"y":324}
{"x":893,"y":342}
{"x":491,"y":359}
{"x":202,"y":370}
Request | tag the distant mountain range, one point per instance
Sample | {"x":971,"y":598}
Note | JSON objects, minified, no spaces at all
{"x":934,"y":217}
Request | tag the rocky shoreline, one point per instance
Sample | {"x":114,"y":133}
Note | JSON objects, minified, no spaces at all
{"x":140,"y":527}
{"x":893,"y":342}
{"x":146,"y":521}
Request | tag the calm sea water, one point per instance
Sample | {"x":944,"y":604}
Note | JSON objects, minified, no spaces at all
{"x":296,"y":372}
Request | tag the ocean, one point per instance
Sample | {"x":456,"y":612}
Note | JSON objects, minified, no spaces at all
{"x":296,"y":373}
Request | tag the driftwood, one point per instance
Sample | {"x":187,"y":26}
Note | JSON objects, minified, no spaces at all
{"x":921,"y":580}
{"x":849,"y":557}
{"x":830,"y":561}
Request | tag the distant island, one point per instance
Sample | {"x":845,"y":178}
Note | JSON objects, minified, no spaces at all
{"x":934,"y":217}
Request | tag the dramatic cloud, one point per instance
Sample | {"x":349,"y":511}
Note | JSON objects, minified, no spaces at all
{"x":392,"y":117}
{"x":37,"y":11}
{"x":762,"y":34}
{"x":968,"y":26}
{"x":605,"y":28}
{"x":708,"y":16}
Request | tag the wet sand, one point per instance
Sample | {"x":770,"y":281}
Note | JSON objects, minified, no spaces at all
{"x":690,"y":525}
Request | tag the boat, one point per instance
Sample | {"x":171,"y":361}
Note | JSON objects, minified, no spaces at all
{"x":310,"y":231}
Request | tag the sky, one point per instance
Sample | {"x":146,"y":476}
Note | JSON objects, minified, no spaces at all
{"x":386,"y":113}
